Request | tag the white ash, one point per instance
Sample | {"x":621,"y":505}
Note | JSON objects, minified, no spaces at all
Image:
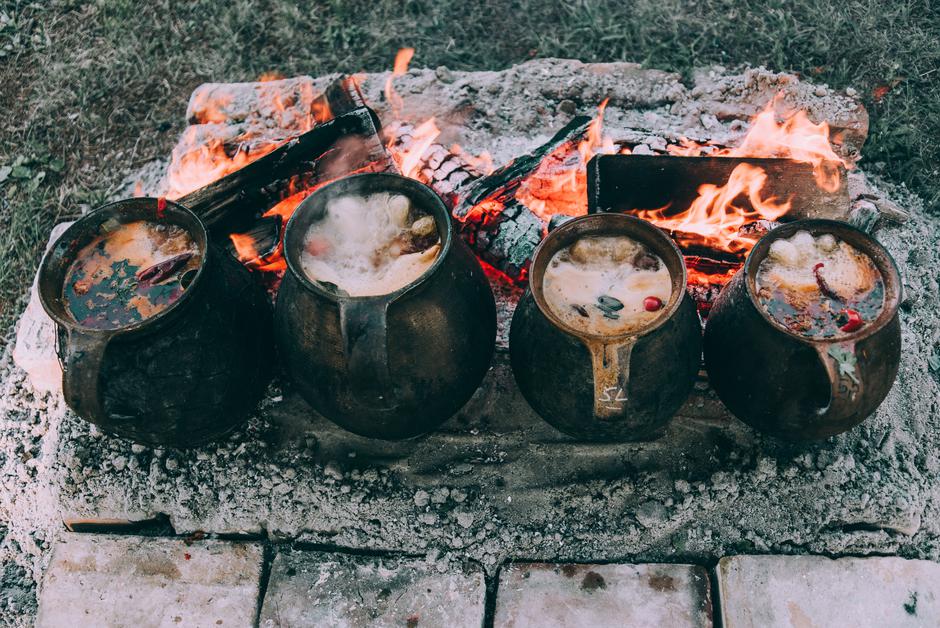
{"x":514,"y":486}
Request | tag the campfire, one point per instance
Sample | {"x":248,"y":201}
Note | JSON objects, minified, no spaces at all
{"x":715,"y":201}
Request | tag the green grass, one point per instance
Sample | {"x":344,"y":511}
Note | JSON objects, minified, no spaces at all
{"x":91,"y":91}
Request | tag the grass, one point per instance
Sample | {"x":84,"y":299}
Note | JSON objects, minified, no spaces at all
{"x":90,"y":91}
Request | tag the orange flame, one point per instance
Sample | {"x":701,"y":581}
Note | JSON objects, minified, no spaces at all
{"x":715,"y":218}
{"x":248,"y":255}
{"x":402,"y":59}
{"x":409,"y":159}
{"x":559,"y":184}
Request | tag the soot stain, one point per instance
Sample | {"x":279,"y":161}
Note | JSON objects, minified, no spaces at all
{"x":662,"y":583}
{"x":569,"y":570}
{"x":593,"y":581}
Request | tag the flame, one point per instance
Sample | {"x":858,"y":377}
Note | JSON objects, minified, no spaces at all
{"x":792,"y":136}
{"x":402,"y":59}
{"x":715,"y":217}
{"x":249,"y":256}
{"x":409,"y":159}
{"x":559,"y":184}
{"x":203,"y":155}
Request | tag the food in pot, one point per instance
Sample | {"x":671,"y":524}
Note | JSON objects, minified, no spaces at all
{"x":367,"y":246}
{"x":130,"y":272}
{"x":819,"y":286}
{"x":606,"y":285}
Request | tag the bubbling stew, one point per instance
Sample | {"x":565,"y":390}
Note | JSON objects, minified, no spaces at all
{"x":820,"y":286}
{"x":373,"y":245}
{"x":606,"y":285}
{"x":130,"y":272}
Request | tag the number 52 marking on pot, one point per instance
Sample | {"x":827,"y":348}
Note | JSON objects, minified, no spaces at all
{"x":614,"y":396}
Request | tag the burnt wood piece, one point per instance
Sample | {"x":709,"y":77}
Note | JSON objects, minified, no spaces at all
{"x":341,"y":96}
{"x":504,"y":182}
{"x":630,"y":182}
{"x":445,"y":172}
{"x":507,"y":239}
{"x":294,"y":104}
{"x":347,"y":143}
{"x":288,"y":102}
{"x":265,"y":237}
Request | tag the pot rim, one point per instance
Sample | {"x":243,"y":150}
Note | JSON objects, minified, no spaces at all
{"x":365,"y":184}
{"x":51,"y":293}
{"x":608,"y":224}
{"x":861,"y":241}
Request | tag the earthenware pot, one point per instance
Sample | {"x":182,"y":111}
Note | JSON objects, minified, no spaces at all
{"x":188,"y":374}
{"x":395,"y":365}
{"x":789,"y":385}
{"x":599,"y":387}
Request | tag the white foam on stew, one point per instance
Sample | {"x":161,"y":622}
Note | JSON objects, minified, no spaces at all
{"x":358,"y":245}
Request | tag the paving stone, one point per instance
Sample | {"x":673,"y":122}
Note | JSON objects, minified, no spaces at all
{"x":146,"y":582}
{"x":811,"y":591}
{"x":330,"y":589}
{"x":543,"y":595}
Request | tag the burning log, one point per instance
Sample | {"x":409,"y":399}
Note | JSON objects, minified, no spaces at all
{"x":264,"y":238}
{"x":341,"y":145}
{"x":445,"y":171}
{"x":286,"y":104}
{"x":496,"y":224}
{"x":636,"y":182}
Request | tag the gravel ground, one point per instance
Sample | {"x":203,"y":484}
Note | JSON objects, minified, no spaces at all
{"x":496,"y":482}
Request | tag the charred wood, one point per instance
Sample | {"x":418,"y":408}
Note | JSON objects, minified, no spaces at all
{"x":632,"y":182}
{"x":503,"y":183}
{"x":339,"y":146}
{"x":264,"y":237}
{"x":444,"y":171}
{"x":497,"y":225}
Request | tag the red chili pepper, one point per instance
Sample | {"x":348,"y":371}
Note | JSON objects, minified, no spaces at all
{"x":161,"y":206}
{"x":853,"y":320}
{"x":823,"y":286}
{"x":652,"y":304}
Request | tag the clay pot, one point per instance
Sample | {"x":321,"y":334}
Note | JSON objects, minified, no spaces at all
{"x":188,"y":374}
{"x":597,"y":387}
{"x":786,"y":384}
{"x":390,"y":366}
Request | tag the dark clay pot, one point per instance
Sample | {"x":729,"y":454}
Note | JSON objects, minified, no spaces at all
{"x":606,"y":388}
{"x":190,"y":373}
{"x":786,"y":384}
{"x":390,"y":366}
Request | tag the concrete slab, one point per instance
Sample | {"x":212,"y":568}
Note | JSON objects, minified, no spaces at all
{"x":810,"y":591}
{"x":328,"y":589}
{"x":570,"y":595}
{"x":145,"y":582}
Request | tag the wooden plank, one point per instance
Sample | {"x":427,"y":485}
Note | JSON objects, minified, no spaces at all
{"x":629,"y":182}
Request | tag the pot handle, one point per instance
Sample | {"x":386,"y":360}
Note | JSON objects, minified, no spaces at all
{"x":81,"y":372}
{"x":845,"y":383}
{"x":364,"y":325}
{"x":610,"y":363}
